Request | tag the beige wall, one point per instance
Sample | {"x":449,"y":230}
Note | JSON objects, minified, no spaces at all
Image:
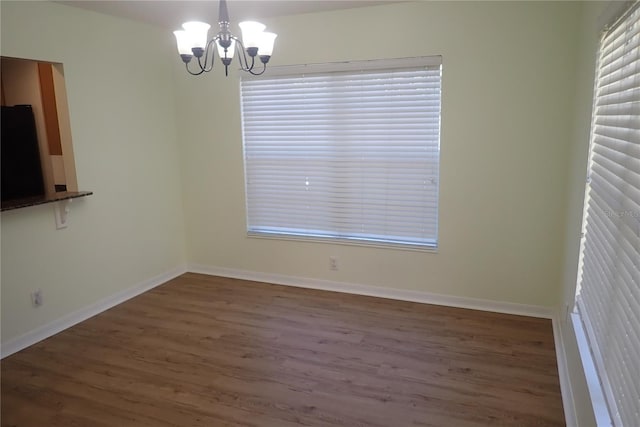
{"x":122,"y":111}
{"x":508,"y":89}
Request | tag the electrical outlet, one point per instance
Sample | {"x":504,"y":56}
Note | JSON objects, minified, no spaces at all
{"x":36,"y":298}
{"x":61,"y":210}
{"x":333,"y":263}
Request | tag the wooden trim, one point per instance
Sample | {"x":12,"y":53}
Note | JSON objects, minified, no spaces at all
{"x":64,"y":124}
{"x":50,"y":110}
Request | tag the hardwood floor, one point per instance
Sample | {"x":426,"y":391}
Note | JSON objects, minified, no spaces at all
{"x":211,"y":351}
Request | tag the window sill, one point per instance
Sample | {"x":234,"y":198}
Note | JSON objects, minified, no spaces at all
{"x":41,"y":200}
{"x":596,"y":392}
{"x":347,"y":242}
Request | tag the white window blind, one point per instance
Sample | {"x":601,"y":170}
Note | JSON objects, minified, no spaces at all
{"x":608,"y":300}
{"x":345,"y":152}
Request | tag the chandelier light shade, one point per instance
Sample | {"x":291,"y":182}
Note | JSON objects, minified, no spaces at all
{"x":193,"y":41}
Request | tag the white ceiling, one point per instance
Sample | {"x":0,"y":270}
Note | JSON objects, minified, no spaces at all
{"x":171,"y":14}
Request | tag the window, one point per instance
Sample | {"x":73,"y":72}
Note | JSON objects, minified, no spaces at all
{"x":608,"y":300}
{"x":347,"y":152}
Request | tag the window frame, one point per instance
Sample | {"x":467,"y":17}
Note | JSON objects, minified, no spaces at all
{"x":352,"y":239}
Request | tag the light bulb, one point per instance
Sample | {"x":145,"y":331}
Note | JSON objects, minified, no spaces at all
{"x":197,"y":33}
{"x":265,"y":43}
{"x":184,"y":42}
{"x":251,"y":33}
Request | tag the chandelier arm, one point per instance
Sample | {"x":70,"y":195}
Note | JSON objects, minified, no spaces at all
{"x":242,"y":56}
{"x":264,"y":68}
{"x":191,"y":72}
{"x":206,"y":68}
{"x":203,"y":68}
{"x":186,"y":65}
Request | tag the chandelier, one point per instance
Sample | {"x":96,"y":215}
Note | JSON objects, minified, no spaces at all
{"x":193,"y":42}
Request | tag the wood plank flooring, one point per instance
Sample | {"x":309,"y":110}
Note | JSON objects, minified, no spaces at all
{"x":210,"y":351}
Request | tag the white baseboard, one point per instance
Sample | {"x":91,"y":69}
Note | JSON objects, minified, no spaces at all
{"x":23,"y":341}
{"x":568,"y":403}
{"x":374,"y":291}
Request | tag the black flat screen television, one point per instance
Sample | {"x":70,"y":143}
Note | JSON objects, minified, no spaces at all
{"x":21,"y":169}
